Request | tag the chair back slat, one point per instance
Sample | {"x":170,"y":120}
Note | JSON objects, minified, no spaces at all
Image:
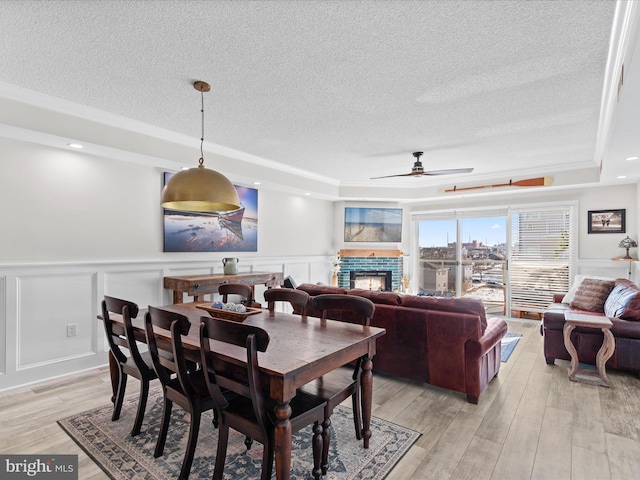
{"x":351,"y":307}
{"x":244,"y":291}
{"x":298,"y":299}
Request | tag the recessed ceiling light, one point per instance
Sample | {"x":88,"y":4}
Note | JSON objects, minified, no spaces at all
{"x":632,"y":158}
{"x":620,"y":177}
{"x":257,"y":183}
{"x":75,"y":145}
{"x":307,"y":194}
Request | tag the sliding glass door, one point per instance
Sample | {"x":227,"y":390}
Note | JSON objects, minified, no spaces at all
{"x":511,"y":259}
{"x":464,"y":257}
{"x":483,"y":258}
{"x":437,"y":272}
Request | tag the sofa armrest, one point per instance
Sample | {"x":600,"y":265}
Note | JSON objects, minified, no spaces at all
{"x":557,"y":297}
{"x":496,"y":329}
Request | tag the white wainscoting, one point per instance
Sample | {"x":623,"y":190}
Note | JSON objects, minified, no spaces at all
{"x":39,"y":301}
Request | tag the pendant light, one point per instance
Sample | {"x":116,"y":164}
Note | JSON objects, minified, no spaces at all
{"x":200,"y":189}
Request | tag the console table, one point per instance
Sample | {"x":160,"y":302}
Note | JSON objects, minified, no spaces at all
{"x":199,"y":285}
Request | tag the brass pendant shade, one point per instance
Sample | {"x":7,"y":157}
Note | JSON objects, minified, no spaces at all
{"x":200,"y":189}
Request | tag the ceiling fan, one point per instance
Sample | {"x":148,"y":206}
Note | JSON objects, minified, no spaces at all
{"x":418,"y":170}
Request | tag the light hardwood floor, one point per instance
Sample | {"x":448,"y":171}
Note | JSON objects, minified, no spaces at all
{"x":531,"y":421}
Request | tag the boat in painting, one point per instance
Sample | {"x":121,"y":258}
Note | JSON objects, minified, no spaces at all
{"x":232,"y":221}
{"x":234,"y":216}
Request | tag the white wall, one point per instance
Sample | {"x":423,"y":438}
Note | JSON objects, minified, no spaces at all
{"x":75,"y":227}
{"x":67,"y":206}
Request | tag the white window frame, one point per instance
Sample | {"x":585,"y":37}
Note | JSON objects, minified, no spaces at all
{"x":509,"y":211}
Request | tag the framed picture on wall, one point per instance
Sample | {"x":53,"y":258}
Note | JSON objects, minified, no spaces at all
{"x":606,"y":221}
{"x":372,"y":224}
{"x":235,"y":231}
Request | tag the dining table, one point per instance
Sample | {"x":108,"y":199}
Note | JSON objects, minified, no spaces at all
{"x":301,"y":349}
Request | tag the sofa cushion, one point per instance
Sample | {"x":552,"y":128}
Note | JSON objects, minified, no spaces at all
{"x":631,"y":309}
{"x":592,"y":294}
{"x":314,"y":289}
{"x":384,"y":298}
{"x":618,"y":300}
{"x":577,"y":281}
{"x":460,"y":305}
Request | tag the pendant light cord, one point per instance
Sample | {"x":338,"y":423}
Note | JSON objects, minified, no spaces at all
{"x":201,"y":161}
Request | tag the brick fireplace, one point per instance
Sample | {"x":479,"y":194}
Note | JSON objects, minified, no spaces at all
{"x":374,"y":262}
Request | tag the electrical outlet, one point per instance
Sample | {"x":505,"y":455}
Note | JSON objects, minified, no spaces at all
{"x":71,"y":329}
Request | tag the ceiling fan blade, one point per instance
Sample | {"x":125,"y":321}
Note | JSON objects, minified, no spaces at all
{"x":432,"y":172}
{"x":449,"y":172}
{"x":399,"y":175}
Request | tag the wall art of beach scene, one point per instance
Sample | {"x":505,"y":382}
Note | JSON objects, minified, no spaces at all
{"x":372,"y":224}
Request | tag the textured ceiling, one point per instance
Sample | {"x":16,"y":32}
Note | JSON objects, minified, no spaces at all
{"x":344,"y":89}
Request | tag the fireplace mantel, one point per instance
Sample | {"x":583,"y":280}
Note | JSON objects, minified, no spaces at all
{"x":370,"y":253}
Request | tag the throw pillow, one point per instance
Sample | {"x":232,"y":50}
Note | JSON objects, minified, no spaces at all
{"x":592,"y":294}
{"x":577,"y":281}
{"x":618,"y":300}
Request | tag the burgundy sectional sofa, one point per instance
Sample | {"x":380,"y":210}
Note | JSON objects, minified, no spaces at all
{"x":622,"y":306}
{"x":445,"y":342}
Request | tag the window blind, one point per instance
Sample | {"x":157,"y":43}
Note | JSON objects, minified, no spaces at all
{"x":542,"y":253}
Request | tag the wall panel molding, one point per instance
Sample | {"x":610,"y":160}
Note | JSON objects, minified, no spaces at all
{"x":38,"y":301}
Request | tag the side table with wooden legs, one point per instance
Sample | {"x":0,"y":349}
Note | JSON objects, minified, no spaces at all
{"x":599,"y":377}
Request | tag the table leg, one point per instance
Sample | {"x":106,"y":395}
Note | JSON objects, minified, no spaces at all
{"x":366,"y":386}
{"x":604,"y":354}
{"x":282,"y":441}
{"x":177,"y":297}
{"x":573,"y":368}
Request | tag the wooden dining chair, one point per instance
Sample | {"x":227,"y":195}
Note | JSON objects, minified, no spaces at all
{"x":342,"y":383}
{"x":250,"y":410}
{"x":296,"y":298}
{"x":245,"y":291}
{"x":188,"y":388}
{"x":137,"y":364}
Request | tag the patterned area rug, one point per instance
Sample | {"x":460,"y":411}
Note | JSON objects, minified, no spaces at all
{"x":509,"y":343}
{"x":123,"y":457}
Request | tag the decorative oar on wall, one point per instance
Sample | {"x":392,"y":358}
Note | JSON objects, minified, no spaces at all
{"x":529,"y":182}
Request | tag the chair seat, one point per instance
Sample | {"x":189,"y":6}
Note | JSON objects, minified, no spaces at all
{"x":332,"y":387}
{"x":131,"y":368}
{"x":199,"y":385}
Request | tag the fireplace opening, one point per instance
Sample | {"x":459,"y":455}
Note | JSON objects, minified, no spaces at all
{"x":371,"y":279}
